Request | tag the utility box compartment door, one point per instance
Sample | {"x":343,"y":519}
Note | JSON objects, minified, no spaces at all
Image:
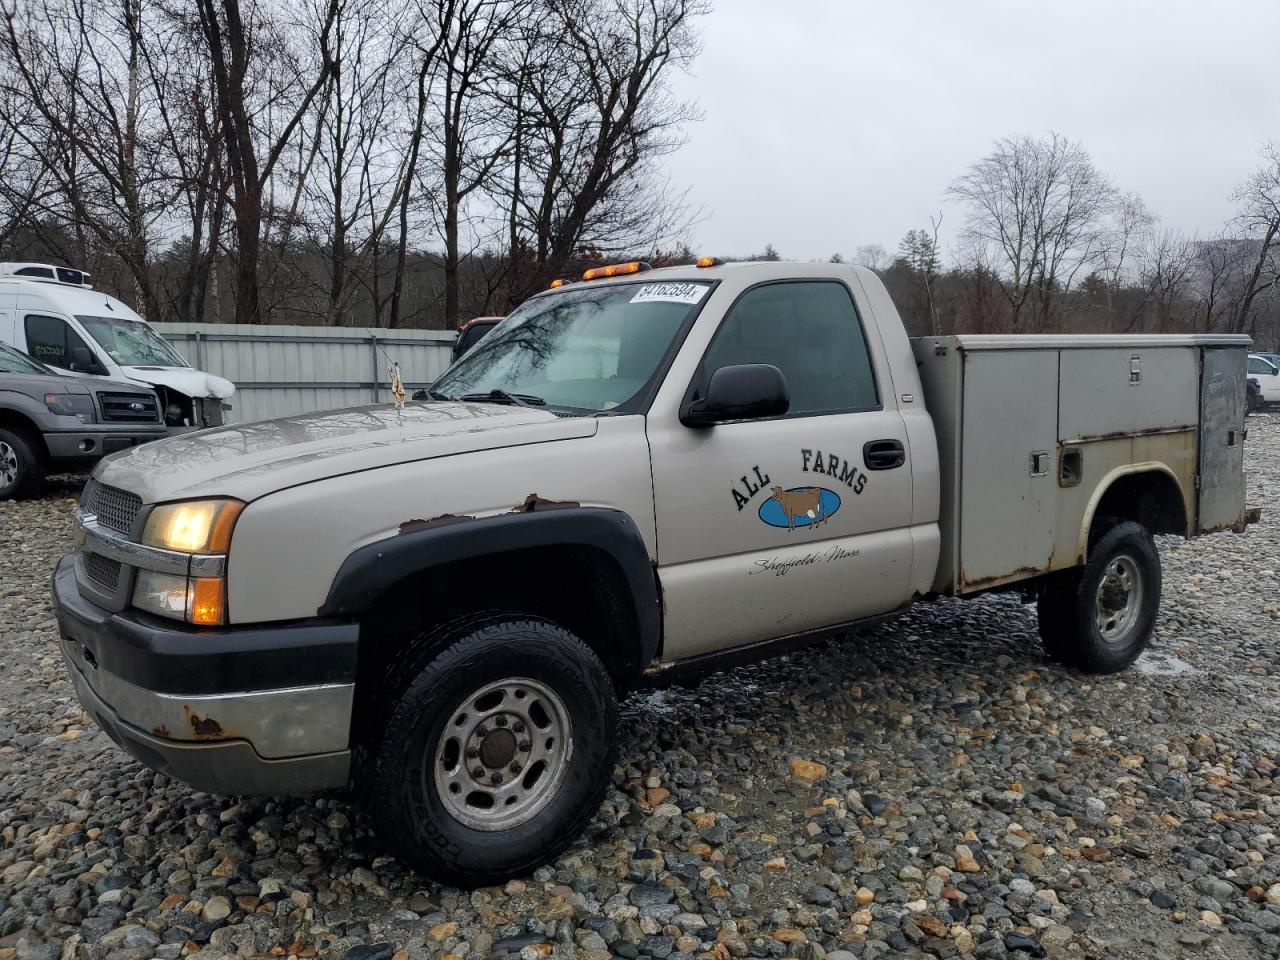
{"x":1009,"y":465}
{"x":1120,"y":391}
{"x":1222,"y":398}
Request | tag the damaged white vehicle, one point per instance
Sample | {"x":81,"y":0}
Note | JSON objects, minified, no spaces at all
{"x":54,"y":314}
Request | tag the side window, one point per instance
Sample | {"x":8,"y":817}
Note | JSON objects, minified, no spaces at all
{"x":810,"y":331}
{"x":1258,"y":365}
{"x":50,"y":340}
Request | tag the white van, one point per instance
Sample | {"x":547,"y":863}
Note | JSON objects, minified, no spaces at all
{"x":55,"y":315}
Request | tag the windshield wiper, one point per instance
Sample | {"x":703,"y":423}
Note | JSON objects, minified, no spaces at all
{"x":501,"y":396}
{"x":437,"y":395}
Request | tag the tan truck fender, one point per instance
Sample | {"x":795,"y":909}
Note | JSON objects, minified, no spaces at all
{"x":615,"y":590}
{"x":1146,"y":491}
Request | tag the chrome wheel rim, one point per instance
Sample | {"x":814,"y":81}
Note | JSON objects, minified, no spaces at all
{"x":1119,"y":599}
{"x":8,"y":465}
{"x":503,"y":753}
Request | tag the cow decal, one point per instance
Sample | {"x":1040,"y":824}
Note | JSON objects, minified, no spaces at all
{"x":799,"y":507}
{"x":790,"y":508}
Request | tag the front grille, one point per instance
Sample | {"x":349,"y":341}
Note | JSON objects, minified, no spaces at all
{"x":129,"y":407}
{"x":103,"y":571}
{"x":114,"y":508}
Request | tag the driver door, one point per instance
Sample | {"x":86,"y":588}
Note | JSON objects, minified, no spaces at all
{"x":773,"y":527}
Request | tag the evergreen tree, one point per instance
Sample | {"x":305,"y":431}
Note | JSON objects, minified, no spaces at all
{"x":919,"y":253}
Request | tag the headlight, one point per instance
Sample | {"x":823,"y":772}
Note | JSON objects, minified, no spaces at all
{"x":196,"y":527}
{"x":78,"y":405}
{"x":193,"y":526}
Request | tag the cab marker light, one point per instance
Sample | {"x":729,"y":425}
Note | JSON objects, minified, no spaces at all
{"x":616,"y":270}
{"x":708,"y":262}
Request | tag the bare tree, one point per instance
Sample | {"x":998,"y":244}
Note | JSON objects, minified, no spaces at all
{"x":1259,"y":224}
{"x":594,"y":113}
{"x":872,"y":256}
{"x":424,"y":42}
{"x":470,"y":136}
{"x":1166,"y":272}
{"x":87,"y":129}
{"x":357,"y":149}
{"x":1035,"y":218}
{"x":252,"y":151}
{"x":1130,"y":221}
{"x":304,"y":154}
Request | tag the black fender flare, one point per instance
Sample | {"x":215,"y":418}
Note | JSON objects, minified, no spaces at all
{"x":374,"y":568}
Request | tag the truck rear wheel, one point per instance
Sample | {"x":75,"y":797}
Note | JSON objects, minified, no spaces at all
{"x":495,"y":747}
{"x":1099,"y":618}
{"x":21,"y":466}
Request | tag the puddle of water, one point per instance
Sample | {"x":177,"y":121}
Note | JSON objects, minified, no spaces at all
{"x":670,"y":701}
{"x":657,"y":702}
{"x":1163,"y":665}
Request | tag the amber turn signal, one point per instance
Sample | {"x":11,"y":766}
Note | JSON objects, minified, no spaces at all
{"x":708,"y":262}
{"x":208,"y":601}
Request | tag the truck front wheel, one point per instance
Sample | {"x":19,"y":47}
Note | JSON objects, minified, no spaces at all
{"x":1099,"y":618}
{"x":494,"y":749}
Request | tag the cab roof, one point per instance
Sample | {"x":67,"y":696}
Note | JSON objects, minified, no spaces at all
{"x":757,"y":270}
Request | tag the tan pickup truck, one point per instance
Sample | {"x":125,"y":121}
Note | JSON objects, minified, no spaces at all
{"x":638,"y":472}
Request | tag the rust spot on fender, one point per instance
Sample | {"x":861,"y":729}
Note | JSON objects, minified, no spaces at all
{"x":534,"y":503}
{"x":444,"y":520}
{"x":205,"y":728}
{"x":160,"y":731}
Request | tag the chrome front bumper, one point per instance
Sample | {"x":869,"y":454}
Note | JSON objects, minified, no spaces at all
{"x":273,"y":740}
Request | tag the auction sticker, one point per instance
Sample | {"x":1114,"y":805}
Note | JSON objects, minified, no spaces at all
{"x":672,"y":292}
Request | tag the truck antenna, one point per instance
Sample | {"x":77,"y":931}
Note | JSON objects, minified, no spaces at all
{"x":393,"y":374}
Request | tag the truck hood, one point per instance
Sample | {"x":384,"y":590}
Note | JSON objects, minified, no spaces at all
{"x":251,"y":460}
{"x":194,"y":383}
{"x":35,"y":384}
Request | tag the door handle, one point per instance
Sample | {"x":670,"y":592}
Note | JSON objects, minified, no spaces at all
{"x":884,"y":454}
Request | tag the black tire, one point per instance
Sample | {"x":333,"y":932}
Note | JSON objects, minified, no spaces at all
{"x":1074,"y":607}
{"x":21,"y":465}
{"x":423,"y":728}
{"x":1053,"y":616}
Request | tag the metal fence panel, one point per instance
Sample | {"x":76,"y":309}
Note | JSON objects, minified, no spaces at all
{"x":281,"y":370}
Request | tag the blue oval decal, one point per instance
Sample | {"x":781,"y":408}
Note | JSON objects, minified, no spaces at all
{"x":799,"y":507}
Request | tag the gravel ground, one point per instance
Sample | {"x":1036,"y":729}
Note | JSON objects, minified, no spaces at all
{"x":934,"y":787}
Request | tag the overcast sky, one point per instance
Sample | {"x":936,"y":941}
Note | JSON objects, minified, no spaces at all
{"x":828,"y":124}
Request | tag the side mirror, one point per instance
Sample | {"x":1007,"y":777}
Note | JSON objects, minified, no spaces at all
{"x":82,"y":361}
{"x":742,"y":392}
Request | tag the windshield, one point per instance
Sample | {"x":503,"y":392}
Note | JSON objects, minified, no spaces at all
{"x":589,"y":349}
{"x":13,"y":361}
{"x":132,"y":343}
